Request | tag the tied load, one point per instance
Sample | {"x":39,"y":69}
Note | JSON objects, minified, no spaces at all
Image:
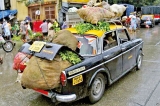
{"x":41,"y":73}
{"x":95,"y":14}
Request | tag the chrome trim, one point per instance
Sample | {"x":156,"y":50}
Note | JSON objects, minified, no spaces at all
{"x":65,"y":98}
{"x":132,"y":48}
{"x":104,"y":62}
{"x":60,"y":97}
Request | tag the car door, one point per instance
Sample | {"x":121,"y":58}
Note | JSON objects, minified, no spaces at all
{"x":112,"y":58}
{"x":128,"y":50}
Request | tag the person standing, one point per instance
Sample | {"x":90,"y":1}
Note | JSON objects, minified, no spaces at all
{"x":1,"y":31}
{"x":23,"y":31}
{"x":44,"y":27}
{"x":138,"y":22}
{"x":26,"y":30}
{"x":16,"y":26}
{"x":51,"y":31}
{"x":49,"y":24}
{"x":64,"y":25}
{"x":128,"y":21}
{"x":6,"y":28}
{"x":133,"y":25}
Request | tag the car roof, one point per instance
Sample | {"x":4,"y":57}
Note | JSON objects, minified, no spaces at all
{"x":97,"y":33}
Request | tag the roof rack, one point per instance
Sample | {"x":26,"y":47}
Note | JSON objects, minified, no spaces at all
{"x":114,"y":22}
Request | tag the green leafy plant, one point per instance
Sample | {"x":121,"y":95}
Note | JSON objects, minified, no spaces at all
{"x":34,"y":35}
{"x":84,"y":27}
{"x":16,"y":38}
{"x":70,"y":56}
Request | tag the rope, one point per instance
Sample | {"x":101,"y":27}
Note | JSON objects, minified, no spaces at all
{"x":43,"y":75}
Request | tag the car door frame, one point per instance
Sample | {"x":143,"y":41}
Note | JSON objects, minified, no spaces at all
{"x":128,"y":53}
{"x":111,"y":57}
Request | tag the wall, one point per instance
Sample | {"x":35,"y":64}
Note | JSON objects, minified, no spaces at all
{"x":21,"y":8}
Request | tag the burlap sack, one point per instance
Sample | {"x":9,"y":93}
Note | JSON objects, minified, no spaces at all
{"x":65,"y":37}
{"x":94,"y":14}
{"x":118,"y":10}
{"x":43,"y":74}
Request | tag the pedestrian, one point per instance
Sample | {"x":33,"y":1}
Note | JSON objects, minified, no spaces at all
{"x":148,"y":22}
{"x":133,"y":24}
{"x":138,"y":22}
{"x":27,"y":30}
{"x":1,"y":28}
{"x":56,"y":26}
{"x":51,"y":31}
{"x":44,"y":27}
{"x":6,"y":29}
{"x":15,"y":29}
{"x":29,"y":26}
{"x":23,"y":31}
{"x":50,"y":24}
{"x":128,"y":21}
{"x":64,"y":25}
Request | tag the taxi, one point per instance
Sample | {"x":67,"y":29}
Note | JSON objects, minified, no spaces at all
{"x":107,"y":56}
{"x":147,"y":20}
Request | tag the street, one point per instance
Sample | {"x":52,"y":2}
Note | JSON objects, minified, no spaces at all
{"x":137,"y":88}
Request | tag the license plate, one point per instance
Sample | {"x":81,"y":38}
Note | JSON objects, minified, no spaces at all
{"x":37,"y":46}
{"x":78,"y":79}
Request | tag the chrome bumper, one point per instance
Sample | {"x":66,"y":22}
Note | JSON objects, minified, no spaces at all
{"x":66,"y":98}
{"x":57,"y":97}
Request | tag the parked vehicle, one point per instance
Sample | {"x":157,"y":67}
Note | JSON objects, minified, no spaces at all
{"x":147,"y":20}
{"x":107,"y":56}
{"x":152,"y":10}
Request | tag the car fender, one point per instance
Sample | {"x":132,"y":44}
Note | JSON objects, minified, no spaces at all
{"x":102,"y":70}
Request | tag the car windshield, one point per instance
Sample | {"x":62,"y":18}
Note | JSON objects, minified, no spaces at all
{"x":146,"y":17}
{"x":87,"y":45}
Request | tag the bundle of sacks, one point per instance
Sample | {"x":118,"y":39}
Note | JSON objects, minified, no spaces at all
{"x":45,"y":74}
{"x":94,"y":12}
{"x":118,"y":10}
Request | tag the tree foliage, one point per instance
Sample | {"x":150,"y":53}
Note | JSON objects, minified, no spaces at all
{"x":136,"y":3}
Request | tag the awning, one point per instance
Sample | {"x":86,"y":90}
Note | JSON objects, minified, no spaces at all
{"x":7,"y":13}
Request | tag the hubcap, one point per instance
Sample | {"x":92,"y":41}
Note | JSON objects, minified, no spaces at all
{"x":8,"y":46}
{"x":97,"y":86}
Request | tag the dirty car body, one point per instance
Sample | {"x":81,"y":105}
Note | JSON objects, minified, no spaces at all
{"x":102,"y":64}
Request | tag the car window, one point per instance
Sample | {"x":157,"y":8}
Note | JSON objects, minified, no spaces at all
{"x":109,"y":40}
{"x":87,"y":45}
{"x":122,"y":34}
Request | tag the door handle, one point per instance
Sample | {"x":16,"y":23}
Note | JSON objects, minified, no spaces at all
{"x":106,"y":56}
{"x":123,"y":48}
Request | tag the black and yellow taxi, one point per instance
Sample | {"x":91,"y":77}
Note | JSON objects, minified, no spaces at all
{"x":107,"y":56}
{"x":147,"y":20}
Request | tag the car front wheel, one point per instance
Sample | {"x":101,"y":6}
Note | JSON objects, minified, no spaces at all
{"x":97,"y":88}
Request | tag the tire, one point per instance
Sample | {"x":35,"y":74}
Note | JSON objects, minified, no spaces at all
{"x":8,"y":46}
{"x":139,"y":60}
{"x":97,"y":88}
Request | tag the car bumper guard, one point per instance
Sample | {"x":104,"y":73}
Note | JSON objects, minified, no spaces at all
{"x":57,"y":97}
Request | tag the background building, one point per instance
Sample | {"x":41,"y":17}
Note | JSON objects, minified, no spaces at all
{"x":21,"y":8}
